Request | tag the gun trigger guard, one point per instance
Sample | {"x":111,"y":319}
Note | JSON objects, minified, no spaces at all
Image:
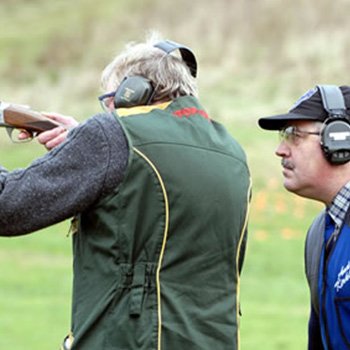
{"x":30,"y":134}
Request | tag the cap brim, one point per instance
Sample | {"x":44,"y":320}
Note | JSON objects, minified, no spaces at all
{"x":277,"y":122}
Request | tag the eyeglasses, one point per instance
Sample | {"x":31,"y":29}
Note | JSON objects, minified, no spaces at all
{"x":105,"y":99}
{"x":108,"y":95}
{"x":292,"y":134}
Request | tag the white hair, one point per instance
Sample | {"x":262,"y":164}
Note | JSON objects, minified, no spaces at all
{"x":168,"y":73}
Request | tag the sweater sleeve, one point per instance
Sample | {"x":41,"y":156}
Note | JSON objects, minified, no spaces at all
{"x":66,"y":180}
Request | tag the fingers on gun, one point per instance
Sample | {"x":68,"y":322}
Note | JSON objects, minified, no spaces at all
{"x":19,"y":135}
{"x":67,"y":121}
{"x":53,"y":137}
{"x":24,"y":135}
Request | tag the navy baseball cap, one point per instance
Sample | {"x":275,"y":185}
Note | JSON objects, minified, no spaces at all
{"x":308,"y":107}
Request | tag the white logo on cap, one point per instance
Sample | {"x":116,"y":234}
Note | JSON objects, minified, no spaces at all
{"x":305,"y":97}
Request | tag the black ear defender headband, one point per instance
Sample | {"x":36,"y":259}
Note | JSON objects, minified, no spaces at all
{"x":335,"y":138}
{"x":137,"y":90}
{"x":186,"y":53}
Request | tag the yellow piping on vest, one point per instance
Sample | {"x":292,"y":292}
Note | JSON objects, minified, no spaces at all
{"x":165,"y":236}
{"x":237,"y":262}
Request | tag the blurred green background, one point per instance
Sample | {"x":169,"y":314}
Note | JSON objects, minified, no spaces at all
{"x":256,"y":57}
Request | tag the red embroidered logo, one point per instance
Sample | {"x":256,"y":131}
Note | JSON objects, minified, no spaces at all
{"x":190,"y":111}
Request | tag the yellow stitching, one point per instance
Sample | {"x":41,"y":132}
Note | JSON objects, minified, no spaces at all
{"x":237,"y":262}
{"x":166,"y":228}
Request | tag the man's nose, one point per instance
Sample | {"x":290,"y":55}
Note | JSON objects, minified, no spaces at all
{"x":282,"y":150}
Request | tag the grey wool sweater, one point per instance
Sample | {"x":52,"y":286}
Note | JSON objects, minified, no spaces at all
{"x":66,"y":180}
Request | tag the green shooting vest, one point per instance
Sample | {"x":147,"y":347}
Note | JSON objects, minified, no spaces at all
{"x":157,"y":262}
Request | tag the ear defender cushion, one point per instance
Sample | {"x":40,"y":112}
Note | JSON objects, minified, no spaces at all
{"x":335,"y":141}
{"x":335,"y":138}
{"x":133,"y":91}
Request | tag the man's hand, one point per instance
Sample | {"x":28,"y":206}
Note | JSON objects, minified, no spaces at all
{"x":56,"y":136}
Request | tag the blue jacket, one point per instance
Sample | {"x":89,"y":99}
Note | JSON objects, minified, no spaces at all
{"x":328,"y":274}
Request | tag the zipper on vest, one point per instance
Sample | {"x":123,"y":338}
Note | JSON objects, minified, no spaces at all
{"x":323,"y":309}
{"x":331,"y":243}
{"x":329,"y":248}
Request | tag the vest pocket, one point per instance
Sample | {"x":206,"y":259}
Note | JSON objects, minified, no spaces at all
{"x":342,"y":306}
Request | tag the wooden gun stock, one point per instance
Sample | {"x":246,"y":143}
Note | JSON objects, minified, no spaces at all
{"x":19,"y":117}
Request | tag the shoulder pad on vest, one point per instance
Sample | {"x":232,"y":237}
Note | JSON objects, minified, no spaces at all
{"x":313,"y":248}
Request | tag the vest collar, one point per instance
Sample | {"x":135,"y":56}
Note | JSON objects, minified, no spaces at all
{"x":124,"y":112}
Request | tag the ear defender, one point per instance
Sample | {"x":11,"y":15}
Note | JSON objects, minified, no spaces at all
{"x":133,"y":91}
{"x":335,"y":138}
{"x":137,"y":90}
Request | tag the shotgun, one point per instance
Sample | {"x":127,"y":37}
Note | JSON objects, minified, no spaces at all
{"x":14,"y":116}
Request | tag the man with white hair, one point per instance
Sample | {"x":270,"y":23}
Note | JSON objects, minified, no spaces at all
{"x":159,"y":193}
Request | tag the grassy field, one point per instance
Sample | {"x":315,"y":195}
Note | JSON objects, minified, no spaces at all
{"x":251,"y":63}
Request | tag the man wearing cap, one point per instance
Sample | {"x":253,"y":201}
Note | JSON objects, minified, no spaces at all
{"x":315,"y":154}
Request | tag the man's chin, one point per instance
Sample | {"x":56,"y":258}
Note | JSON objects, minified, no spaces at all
{"x":290,"y":187}
{"x":301,"y":192}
